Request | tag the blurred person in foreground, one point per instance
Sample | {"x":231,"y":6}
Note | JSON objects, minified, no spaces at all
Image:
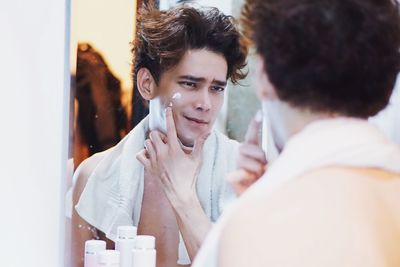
{"x":331,"y":197}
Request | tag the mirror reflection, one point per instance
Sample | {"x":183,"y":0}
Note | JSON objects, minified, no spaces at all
{"x":157,"y":91}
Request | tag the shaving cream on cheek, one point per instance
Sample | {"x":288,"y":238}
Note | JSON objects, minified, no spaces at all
{"x":174,"y":99}
{"x":176,"y":96}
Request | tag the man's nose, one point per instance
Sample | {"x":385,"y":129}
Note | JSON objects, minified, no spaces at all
{"x":203,"y":101}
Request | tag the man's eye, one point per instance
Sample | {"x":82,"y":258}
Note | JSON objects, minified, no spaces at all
{"x":188,"y":84}
{"x":218,"y":88}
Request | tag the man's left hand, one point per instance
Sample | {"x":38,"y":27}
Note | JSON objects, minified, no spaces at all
{"x":165,"y":158}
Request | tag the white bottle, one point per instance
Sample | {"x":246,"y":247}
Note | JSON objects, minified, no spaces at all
{"x":92,"y":248}
{"x":108,"y":258}
{"x":125,"y":243}
{"x":144,"y":253}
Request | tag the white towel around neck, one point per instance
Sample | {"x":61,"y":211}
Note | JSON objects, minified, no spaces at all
{"x":332,"y":142}
{"x":114,"y":191}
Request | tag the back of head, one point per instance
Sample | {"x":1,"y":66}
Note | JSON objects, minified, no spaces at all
{"x":335,"y":56}
{"x":163,"y":37}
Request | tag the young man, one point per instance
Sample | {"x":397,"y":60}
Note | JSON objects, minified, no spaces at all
{"x":183,"y":59}
{"x":332,"y":196}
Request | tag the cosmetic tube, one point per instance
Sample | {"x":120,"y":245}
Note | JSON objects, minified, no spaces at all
{"x":144,"y":253}
{"x":108,"y":258}
{"x":92,"y":248}
{"x":125,"y":243}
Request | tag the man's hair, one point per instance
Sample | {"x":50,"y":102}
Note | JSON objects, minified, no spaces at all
{"x":163,"y":37}
{"x":339,"y":56}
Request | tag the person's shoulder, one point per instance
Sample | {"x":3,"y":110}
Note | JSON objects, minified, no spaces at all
{"x":312,"y":217}
{"x":311,"y":192}
{"x":337,"y":185}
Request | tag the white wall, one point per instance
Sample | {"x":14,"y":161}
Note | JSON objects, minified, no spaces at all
{"x":33,"y":132}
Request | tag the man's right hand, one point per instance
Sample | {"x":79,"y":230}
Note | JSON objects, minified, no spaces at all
{"x":252,"y":162}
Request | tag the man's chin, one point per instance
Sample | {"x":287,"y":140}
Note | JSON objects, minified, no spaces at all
{"x":189,"y":137}
{"x":186,"y":142}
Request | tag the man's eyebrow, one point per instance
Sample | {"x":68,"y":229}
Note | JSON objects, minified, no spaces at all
{"x":192,"y":78}
{"x":201,"y":79}
{"x":220,"y":83}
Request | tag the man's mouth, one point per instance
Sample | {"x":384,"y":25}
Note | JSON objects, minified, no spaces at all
{"x":196,"y":120}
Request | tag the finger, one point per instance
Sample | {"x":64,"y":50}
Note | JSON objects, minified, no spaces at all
{"x":254,"y":152}
{"x":252,"y":166}
{"x":157,"y":142}
{"x":141,"y":157}
{"x":240,"y":180}
{"x":238,"y":176}
{"x":254,"y":130}
{"x":164,"y":138}
{"x":151,"y":151}
{"x":171,"y":130}
{"x":198,"y":145}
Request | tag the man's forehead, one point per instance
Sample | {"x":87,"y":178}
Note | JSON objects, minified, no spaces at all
{"x":203,"y":64}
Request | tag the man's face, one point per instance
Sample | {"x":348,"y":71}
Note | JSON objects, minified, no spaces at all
{"x":195,"y":87}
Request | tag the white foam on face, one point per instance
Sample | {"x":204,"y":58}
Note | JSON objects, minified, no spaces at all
{"x":176,"y":96}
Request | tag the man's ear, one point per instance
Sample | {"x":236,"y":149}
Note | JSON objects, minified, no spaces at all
{"x":146,"y":84}
{"x":265,"y":89}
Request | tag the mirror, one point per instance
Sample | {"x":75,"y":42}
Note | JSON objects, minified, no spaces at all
{"x":107,"y":112}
